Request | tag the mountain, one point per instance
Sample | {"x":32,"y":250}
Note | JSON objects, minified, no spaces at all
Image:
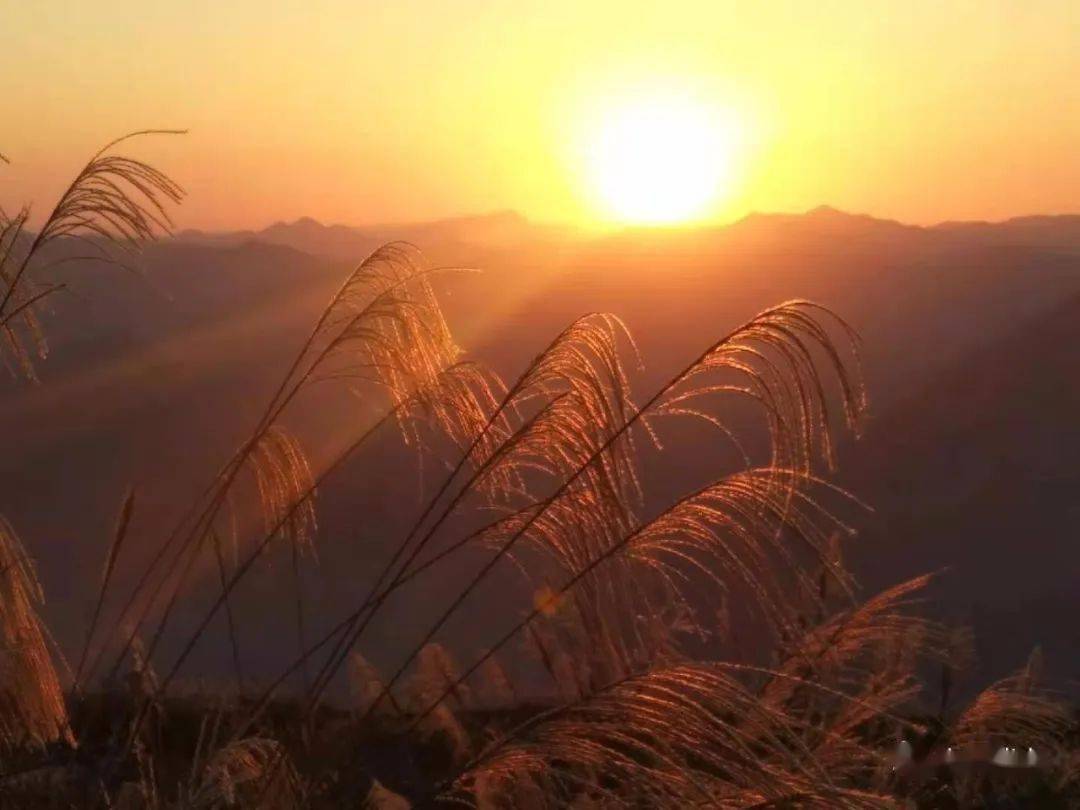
{"x":920,"y":297}
{"x":509,"y":229}
{"x":501,"y":228}
{"x":1036,"y":231}
{"x":823,"y":222}
{"x":153,"y":379}
{"x":975,"y":474}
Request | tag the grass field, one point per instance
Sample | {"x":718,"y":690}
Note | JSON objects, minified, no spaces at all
{"x":621,"y":686}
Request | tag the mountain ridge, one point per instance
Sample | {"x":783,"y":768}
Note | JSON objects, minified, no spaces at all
{"x":502,"y":226}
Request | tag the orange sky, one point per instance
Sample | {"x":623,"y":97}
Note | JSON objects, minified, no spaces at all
{"x":355,"y":111}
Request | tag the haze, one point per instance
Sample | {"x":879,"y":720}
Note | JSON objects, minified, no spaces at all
{"x":374,"y":112}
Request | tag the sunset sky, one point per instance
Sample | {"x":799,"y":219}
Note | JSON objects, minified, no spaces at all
{"x":359,"y":112}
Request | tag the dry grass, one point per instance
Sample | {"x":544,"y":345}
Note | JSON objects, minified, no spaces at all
{"x":111,"y":208}
{"x":32,"y":707}
{"x":545,"y":471}
{"x":248,"y":773}
{"x":678,"y":736}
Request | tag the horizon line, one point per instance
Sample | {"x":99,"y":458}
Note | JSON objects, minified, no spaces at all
{"x":700,"y":225}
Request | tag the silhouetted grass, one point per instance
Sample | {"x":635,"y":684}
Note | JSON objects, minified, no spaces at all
{"x":548,"y":467}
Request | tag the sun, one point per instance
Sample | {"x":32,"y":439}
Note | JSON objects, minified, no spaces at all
{"x":661,"y":160}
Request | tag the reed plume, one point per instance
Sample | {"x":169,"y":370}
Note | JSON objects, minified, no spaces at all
{"x":286,"y":489}
{"x":577,"y":391}
{"x":1016,"y":710}
{"x":250,"y":773}
{"x":365,"y":683}
{"x":493,"y":688}
{"x":687,"y":735}
{"x":852,"y":678}
{"x":32,"y":708}
{"x":772,"y":359}
{"x":434,"y":676}
{"x":382,"y":329}
{"x":113,"y":206}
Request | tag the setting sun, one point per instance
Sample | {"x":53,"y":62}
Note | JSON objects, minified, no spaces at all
{"x":661,"y":160}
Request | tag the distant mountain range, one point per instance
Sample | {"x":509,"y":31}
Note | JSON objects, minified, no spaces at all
{"x":503,"y":228}
{"x":969,"y":349}
{"x":509,"y":229}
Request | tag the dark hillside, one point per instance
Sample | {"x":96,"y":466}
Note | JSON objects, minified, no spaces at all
{"x":977,"y":472}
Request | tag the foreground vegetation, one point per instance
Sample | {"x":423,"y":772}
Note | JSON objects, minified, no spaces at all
{"x":646,"y":699}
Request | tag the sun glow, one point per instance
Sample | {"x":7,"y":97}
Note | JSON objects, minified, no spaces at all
{"x":662,"y":160}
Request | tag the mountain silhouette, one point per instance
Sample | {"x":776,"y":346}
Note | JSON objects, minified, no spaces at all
{"x":974,"y":474}
{"x":967,"y":328}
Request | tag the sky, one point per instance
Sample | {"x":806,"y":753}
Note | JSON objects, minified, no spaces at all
{"x":362,"y":112}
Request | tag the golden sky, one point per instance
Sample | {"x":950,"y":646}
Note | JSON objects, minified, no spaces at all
{"x":354,"y":111}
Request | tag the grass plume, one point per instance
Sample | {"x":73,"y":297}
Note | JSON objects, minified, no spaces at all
{"x":113,"y":206}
